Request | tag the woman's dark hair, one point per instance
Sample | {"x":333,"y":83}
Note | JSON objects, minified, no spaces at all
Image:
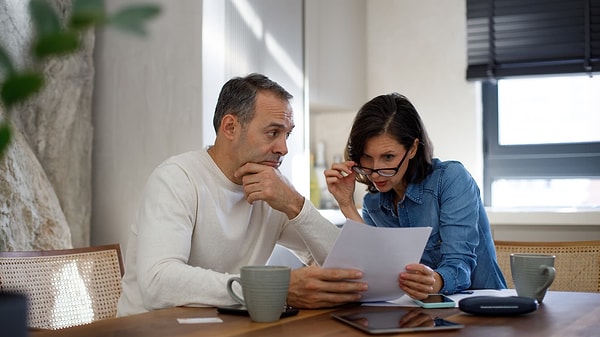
{"x":395,"y":116}
{"x":238,"y":97}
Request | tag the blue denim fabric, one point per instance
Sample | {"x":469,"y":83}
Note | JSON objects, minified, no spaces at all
{"x":460,"y":248}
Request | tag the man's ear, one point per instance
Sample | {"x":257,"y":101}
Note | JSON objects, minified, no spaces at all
{"x":229,"y":126}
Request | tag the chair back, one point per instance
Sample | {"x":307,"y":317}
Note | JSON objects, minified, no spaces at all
{"x":577,"y":263}
{"x":65,"y":287}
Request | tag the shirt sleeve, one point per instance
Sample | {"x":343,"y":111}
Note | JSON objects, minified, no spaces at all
{"x":316,"y":233}
{"x":459,"y":230}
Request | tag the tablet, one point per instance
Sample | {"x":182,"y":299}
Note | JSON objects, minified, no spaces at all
{"x":395,"y":321}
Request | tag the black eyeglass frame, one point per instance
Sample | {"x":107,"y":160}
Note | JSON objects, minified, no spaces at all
{"x":368,"y":171}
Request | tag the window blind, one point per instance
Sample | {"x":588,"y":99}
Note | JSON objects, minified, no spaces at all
{"x":532,"y":37}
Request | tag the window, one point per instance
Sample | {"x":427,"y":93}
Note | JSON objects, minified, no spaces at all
{"x":539,"y":63}
{"x":542,"y":142}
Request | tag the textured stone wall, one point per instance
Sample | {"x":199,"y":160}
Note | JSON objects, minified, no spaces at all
{"x":45,"y":177}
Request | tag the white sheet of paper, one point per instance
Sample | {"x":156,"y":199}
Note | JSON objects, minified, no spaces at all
{"x":199,"y":320}
{"x":406,"y":301}
{"x":381,"y":253}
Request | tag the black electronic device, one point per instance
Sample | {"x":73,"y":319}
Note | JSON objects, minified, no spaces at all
{"x":240,"y":310}
{"x":497,"y":306}
{"x":394,"y":321}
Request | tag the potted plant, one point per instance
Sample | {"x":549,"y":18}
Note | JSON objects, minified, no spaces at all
{"x":52,"y":39}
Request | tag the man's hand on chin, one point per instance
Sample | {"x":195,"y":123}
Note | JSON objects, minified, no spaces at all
{"x":265,"y":182}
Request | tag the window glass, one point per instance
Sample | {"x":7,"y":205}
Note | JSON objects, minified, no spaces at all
{"x":546,"y":193}
{"x":549,"y":110}
{"x":543,"y":142}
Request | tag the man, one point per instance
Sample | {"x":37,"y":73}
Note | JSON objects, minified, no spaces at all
{"x":207,"y":213}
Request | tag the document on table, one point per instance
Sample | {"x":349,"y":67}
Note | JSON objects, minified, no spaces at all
{"x":406,"y":301}
{"x":381,"y":253}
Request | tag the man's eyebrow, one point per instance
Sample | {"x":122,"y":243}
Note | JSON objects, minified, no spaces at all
{"x":280,"y":126}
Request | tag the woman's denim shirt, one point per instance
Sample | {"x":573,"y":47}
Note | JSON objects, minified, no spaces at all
{"x":460,"y":247}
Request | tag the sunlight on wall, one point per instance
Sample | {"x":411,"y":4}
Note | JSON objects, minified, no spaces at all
{"x":284,"y":60}
{"x":250,"y":17}
{"x":280,"y":55}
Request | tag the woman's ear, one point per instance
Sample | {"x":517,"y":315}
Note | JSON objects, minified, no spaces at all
{"x":414,"y":148}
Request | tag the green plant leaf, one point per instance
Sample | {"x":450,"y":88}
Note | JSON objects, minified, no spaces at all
{"x":6,"y":65}
{"x":133,"y":18}
{"x":20,"y":86}
{"x":60,"y":43}
{"x":44,"y":17}
{"x":87,"y":13}
{"x":5,"y":136}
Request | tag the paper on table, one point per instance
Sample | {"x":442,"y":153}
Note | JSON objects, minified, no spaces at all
{"x":199,"y":320}
{"x":406,"y":301}
{"x":380,"y":252}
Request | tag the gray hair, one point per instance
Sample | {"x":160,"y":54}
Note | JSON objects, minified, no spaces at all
{"x":238,"y":97}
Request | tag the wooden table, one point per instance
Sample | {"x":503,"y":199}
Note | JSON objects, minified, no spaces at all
{"x":563,"y":314}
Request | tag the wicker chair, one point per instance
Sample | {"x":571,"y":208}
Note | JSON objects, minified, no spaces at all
{"x":577,"y":263}
{"x":65,"y":287}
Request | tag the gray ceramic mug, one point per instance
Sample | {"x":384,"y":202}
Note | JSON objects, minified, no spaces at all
{"x":532,"y":274}
{"x":265,"y":290}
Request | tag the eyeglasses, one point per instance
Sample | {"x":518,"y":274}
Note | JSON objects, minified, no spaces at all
{"x":384,"y":172}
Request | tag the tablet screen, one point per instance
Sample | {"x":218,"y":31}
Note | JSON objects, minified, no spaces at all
{"x":395,"y":321}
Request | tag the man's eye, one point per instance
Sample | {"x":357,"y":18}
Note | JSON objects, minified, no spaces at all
{"x":287,"y":135}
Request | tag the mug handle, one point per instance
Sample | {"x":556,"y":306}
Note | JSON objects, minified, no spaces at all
{"x":232,"y":293}
{"x":551,"y":272}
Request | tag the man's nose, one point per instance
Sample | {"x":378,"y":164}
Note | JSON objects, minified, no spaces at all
{"x":281,"y":146}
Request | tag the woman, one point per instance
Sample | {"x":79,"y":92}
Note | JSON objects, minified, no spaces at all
{"x":389,"y":151}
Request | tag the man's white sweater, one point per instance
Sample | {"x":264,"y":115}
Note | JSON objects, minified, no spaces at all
{"x":194,"y":230}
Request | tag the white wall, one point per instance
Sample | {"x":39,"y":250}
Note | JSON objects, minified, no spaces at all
{"x":420,"y":51}
{"x":147,"y":107}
